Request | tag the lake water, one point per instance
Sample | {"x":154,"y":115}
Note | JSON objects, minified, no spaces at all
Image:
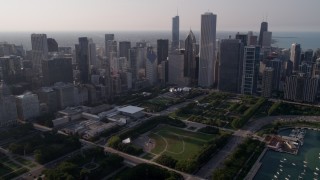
{"x":309,"y":152}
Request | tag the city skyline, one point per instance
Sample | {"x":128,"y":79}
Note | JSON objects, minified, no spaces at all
{"x":127,"y":15}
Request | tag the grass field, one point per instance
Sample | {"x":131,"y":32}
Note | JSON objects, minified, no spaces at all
{"x":178,"y":143}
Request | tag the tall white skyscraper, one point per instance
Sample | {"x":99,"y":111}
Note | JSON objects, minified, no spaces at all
{"x":295,"y":56}
{"x":39,"y":51}
{"x":207,"y":50}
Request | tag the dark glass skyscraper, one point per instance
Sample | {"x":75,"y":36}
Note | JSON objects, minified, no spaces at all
{"x":263,"y":28}
{"x":175,"y":32}
{"x":83,"y":59}
{"x":124,"y":47}
{"x":52,"y":45}
{"x":230,"y":65}
{"x":162,"y":50}
{"x":190,"y":54}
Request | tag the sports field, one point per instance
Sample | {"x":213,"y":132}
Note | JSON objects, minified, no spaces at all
{"x":177,"y":143}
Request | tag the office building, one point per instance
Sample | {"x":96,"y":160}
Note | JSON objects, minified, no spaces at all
{"x":207,"y":50}
{"x":92,"y":54}
{"x":300,"y":88}
{"x":175,"y":33}
{"x":11,"y":69}
{"x":151,"y":66}
{"x":267,"y":78}
{"x":8,"y":109}
{"x":124,"y":47}
{"x":230,"y":65}
{"x":295,"y":55}
{"x":190,"y":53}
{"x":250,"y":70}
{"x":28,"y":106}
{"x":252,"y":39}
{"x":243,"y":38}
{"x":263,"y":28}
{"x":308,"y":56}
{"x":108,"y":38}
{"x":278,"y":71}
{"x":175,"y":69}
{"x":57,"y":69}
{"x":83,"y":59}
{"x":306,"y":68}
{"x":49,"y":97}
{"x":162,"y":50}
{"x":266,"y":39}
{"x":65,"y":93}
{"x":52,"y":45}
{"x":39,"y":51}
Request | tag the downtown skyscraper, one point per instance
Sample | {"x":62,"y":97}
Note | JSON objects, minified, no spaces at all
{"x":263,"y":28}
{"x":295,"y":56}
{"x":175,"y":33}
{"x":207,"y":50}
{"x":190,"y":64}
{"x":83,"y":59}
{"x":39,"y":51}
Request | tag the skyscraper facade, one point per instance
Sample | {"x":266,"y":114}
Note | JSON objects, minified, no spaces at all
{"x":8,"y":110}
{"x":39,"y":51}
{"x":162,"y":50}
{"x":207,"y":50}
{"x":175,"y":33}
{"x":52,"y":45}
{"x":108,"y":37}
{"x":83,"y":59}
{"x":250,"y":70}
{"x":57,"y":70}
{"x":151,"y":66}
{"x":295,"y":55}
{"x":230,"y":65}
{"x":263,"y":28}
{"x":267,"y":82}
{"x":124,"y":47}
{"x":191,"y":51}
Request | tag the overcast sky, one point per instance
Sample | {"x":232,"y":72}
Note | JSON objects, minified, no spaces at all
{"x":128,"y":15}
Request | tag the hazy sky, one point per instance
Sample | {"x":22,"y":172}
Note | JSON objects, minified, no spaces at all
{"x":127,"y":15}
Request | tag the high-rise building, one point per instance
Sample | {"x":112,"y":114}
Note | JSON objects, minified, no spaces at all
{"x":92,"y":54}
{"x":39,"y":51}
{"x":108,"y":37}
{"x":277,"y":66}
{"x":175,"y":69}
{"x":300,"y":88}
{"x":57,"y":69}
{"x":263,"y":28}
{"x":49,"y":97}
{"x":266,"y":39}
{"x":207,"y":50}
{"x":124,"y":47}
{"x":28,"y":106}
{"x":133,"y":63}
{"x":295,"y":56}
{"x":8,"y":109}
{"x":230,"y":65}
{"x":243,"y":38}
{"x":151,"y":66}
{"x":190,"y":53}
{"x":250,"y":70}
{"x":267,"y":82}
{"x":11,"y":69}
{"x":308,"y":56}
{"x":175,"y":33}
{"x":52,"y":45}
{"x":162,"y":50}
{"x":83,"y":59}
{"x":252,"y":39}
{"x":306,"y":69}
{"x":66,"y":94}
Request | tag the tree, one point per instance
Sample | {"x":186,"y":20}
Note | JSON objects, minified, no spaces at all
{"x":166,"y":161}
{"x":114,"y":141}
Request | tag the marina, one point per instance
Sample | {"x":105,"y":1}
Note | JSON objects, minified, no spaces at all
{"x":284,"y":165}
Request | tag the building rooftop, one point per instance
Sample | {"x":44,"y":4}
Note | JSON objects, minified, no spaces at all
{"x":131,"y":109}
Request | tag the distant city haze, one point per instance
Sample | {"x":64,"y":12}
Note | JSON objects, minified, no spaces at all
{"x":136,"y":15}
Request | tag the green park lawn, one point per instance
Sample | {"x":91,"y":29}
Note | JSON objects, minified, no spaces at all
{"x":178,"y":143}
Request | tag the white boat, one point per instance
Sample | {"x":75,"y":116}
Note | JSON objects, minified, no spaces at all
{"x":286,"y":159}
{"x":289,"y":175}
{"x":286,"y":178}
{"x":280,"y":165}
{"x":304,"y":165}
{"x":317,"y":168}
{"x":281,"y":170}
{"x":315,"y":173}
{"x":278,"y":173}
{"x":281,"y":161}
{"x":293,"y":164}
{"x":275,"y":176}
{"x":305,"y":162}
{"x":303,"y":173}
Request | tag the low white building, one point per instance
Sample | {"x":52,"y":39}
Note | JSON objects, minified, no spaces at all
{"x":132,"y":111}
